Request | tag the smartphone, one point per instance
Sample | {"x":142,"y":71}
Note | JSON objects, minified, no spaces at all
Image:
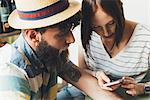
{"x":112,"y":83}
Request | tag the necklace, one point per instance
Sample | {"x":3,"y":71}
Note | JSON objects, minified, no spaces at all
{"x":110,"y":50}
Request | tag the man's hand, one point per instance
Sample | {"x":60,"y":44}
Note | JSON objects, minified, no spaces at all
{"x":132,"y":87}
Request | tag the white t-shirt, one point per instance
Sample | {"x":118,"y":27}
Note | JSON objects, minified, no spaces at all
{"x":132,"y":60}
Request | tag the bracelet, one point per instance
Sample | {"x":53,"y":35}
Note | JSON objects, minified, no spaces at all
{"x":146,"y":89}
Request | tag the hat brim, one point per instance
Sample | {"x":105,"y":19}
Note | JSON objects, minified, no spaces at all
{"x":17,"y":23}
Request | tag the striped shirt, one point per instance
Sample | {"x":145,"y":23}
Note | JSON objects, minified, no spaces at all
{"x":22,"y":77}
{"x":132,"y":60}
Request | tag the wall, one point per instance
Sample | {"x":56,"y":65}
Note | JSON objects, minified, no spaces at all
{"x":137,"y":10}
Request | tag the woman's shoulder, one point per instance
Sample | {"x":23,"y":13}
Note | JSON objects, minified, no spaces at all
{"x":138,"y":27}
{"x":142,"y":32}
{"x":142,"y":28}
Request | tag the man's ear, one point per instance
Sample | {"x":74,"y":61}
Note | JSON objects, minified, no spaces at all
{"x":33,"y":36}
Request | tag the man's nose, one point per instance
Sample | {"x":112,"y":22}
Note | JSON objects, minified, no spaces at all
{"x":70,"y":38}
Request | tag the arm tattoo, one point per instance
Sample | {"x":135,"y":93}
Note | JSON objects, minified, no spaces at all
{"x":70,"y":72}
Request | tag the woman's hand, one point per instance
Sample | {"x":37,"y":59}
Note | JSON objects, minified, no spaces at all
{"x":102,"y":79}
{"x":132,"y":87}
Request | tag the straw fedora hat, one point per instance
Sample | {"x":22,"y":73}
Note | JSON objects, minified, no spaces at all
{"x":30,"y":14}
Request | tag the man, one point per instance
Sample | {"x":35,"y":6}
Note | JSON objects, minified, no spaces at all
{"x":29,"y":67}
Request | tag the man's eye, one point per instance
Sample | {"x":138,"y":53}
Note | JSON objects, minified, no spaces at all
{"x":62,"y":35}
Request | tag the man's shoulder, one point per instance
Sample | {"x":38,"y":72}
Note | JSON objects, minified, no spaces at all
{"x":6,"y":66}
{"x":9,"y":54}
{"x":5,"y":53}
{"x":6,"y":46}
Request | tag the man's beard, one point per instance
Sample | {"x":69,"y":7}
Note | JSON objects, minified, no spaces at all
{"x":51,"y":57}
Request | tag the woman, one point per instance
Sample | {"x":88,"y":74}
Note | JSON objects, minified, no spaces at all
{"x":114,"y":47}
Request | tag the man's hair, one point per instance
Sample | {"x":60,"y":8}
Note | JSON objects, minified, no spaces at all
{"x":111,"y":7}
{"x":75,"y":19}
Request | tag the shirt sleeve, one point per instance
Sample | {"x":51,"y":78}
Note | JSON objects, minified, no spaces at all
{"x":13,"y":83}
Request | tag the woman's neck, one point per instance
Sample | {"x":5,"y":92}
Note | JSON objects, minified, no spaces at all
{"x":110,"y":44}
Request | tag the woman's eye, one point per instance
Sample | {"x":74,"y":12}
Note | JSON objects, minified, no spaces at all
{"x":96,"y":27}
{"x":111,"y":23}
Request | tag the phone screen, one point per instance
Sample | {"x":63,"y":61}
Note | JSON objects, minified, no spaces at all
{"x":113,"y":83}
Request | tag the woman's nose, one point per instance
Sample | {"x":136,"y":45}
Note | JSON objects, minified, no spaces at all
{"x":105,"y":31}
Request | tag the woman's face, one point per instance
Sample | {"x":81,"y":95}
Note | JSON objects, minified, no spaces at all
{"x":103,"y":24}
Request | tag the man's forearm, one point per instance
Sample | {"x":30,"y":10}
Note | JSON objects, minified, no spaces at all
{"x":86,"y":82}
{"x":90,"y":72}
{"x":89,"y":85}
{"x":70,"y":73}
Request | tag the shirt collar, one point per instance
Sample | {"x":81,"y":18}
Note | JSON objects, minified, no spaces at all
{"x":28,"y":51}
